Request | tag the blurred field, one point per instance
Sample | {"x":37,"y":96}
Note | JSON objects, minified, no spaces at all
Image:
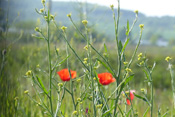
{"x":21,"y":57}
{"x":21,"y":52}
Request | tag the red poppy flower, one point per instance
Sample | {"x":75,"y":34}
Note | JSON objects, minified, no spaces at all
{"x":105,"y":78}
{"x":131,"y":97}
{"x":64,"y":74}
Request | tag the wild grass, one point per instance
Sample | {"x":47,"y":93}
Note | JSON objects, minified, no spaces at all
{"x":30,"y":85}
{"x":32,"y":54}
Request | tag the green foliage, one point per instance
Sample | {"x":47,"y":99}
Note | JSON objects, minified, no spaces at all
{"x":50,"y":96}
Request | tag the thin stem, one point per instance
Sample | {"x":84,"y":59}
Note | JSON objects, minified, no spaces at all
{"x":132,"y":58}
{"x":152,"y":97}
{"x":93,"y":47}
{"x":119,"y":55}
{"x":38,"y":103}
{"x":152,"y":93}
{"x":50,"y":67}
{"x":90,"y":68}
{"x":138,"y":44}
{"x":72,"y":49}
{"x":172,"y":84}
{"x":58,"y":105}
{"x":71,"y":83}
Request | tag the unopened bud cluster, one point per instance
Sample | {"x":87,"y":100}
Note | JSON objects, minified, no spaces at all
{"x":136,"y":11}
{"x":168,"y":58}
{"x":69,"y":15}
{"x":29,"y":72}
{"x":99,"y":106}
{"x":85,"y":22}
{"x":112,"y":6}
{"x":63,"y":28}
{"x":141,"y":26}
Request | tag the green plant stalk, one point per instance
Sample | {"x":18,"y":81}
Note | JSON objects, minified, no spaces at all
{"x":132,"y":58}
{"x":59,"y":101}
{"x":152,"y":93}
{"x":37,"y":103}
{"x":90,"y":68}
{"x":58,"y":105}
{"x":115,"y":90}
{"x":152,"y":97}
{"x":50,"y":67}
{"x":71,"y":83}
{"x":38,"y":94}
{"x":116,"y":24}
{"x":172,"y":83}
{"x":43,"y":104}
{"x":135,"y":51}
{"x":133,"y":23}
{"x":72,"y":49}
{"x":92,"y":47}
{"x":119,"y":55}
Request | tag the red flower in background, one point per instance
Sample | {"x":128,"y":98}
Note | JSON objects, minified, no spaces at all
{"x":131,"y":97}
{"x":105,"y":78}
{"x":64,"y":74}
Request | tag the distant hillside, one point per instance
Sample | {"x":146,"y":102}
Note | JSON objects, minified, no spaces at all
{"x":99,"y":17}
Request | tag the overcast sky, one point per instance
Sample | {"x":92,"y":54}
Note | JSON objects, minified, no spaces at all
{"x":148,"y":7}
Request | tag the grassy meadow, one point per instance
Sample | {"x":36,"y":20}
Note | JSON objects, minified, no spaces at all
{"x":31,"y":87}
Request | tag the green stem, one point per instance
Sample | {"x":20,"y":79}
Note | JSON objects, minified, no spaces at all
{"x":50,"y":67}
{"x":93,"y":47}
{"x":90,"y":68}
{"x":152,"y":97}
{"x":37,"y":103}
{"x":152,"y":93}
{"x":138,"y":44}
{"x":72,"y":49}
{"x":119,"y":55}
{"x":172,"y":83}
{"x":71,"y":83}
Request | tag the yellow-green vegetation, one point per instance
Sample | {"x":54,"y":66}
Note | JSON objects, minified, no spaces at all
{"x":63,"y":71}
{"x":30,"y":55}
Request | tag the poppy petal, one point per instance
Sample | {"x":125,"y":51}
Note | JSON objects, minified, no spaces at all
{"x":113,"y":80}
{"x":128,"y":102}
{"x":73,"y":74}
{"x":105,"y":78}
{"x":64,"y":74}
{"x":131,"y":96}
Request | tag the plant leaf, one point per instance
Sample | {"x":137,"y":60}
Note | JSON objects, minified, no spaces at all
{"x":127,"y":31}
{"x":129,"y":79}
{"x":105,"y":48}
{"x":108,"y":111}
{"x":120,"y":111}
{"x":120,"y":46}
{"x":37,"y":37}
{"x":144,"y":115}
{"x":153,"y":67}
{"x":128,"y":112}
{"x":42,"y":85}
{"x":146,"y":75}
{"x":126,"y":43}
{"x":142,"y":98}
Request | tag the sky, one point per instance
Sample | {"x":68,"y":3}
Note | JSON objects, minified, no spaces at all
{"x":148,"y":7}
